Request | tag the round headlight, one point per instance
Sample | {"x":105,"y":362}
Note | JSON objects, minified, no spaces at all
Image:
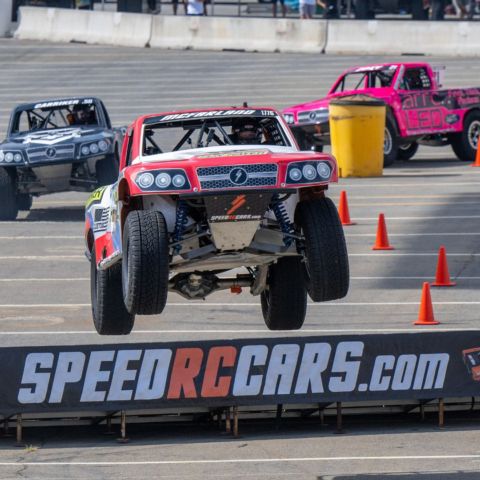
{"x":9,"y":157}
{"x":18,"y":157}
{"x":295,"y":174}
{"x":178,"y":181}
{"x":94,"y":148}
{"x":163,"y":180}
{"x":323,"y":170}
{"x":103,"y":145}
{"x":85,"y":150}
{"x":2,"y":155}
{"x":145,"y":180}
{"x":309,"y":172}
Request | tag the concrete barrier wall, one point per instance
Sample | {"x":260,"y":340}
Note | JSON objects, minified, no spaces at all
{"x":232,"y":33}
{"x":65,"y":25}
{"x":398,"y":37}
{"x":251,"y":34}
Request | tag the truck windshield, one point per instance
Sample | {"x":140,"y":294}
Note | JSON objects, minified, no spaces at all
{"x":363,"y":78}
{"x":187,"y":134}
{"x":51,"y":118}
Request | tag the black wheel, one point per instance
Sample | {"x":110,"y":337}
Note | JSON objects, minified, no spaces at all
{"x":465,"y":143}
{"x":407,"y":151}
{"x":8,"y":195}
{"x":110,"y":316}
{"x":107,"y":170}
{"x":326,"y":268}
{"x":390,"y":144}
{"x":145,"y":262}
{"x":24,"y":201}
{"x":284,"y":302}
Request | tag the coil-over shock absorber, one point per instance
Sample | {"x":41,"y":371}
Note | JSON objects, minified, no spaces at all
{"x":181,"y":221}
{"x":286,"y":226}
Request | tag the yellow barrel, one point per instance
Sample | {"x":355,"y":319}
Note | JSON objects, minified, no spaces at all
{"x":357,"y":129}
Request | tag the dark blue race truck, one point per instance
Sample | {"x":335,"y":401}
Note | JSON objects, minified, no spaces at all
{"x":56,"y":146}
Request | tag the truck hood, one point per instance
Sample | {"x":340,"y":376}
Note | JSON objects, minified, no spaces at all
{"x":322,"y":103}
{"x":56,"y":137}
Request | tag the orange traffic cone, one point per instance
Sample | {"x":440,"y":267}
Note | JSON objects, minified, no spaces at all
{"x":343,"y":212}
{"x":425,"y":313}
{"x":442,"y":277}
{"x":381,"y":243}
{"x":476,"y":163}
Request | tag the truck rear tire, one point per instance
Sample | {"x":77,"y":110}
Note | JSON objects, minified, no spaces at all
{"x":145,"y":262}
{"x":110,"y":316}
{"x":284,"y":301}
{"x":465,"y":143}
{"x":8,"y":196}
{"x":326,"y":269}
{"x":390,"y":144}
{"x":407,"y":151}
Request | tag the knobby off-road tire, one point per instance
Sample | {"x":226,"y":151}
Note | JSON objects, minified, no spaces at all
{"x":145,"y":262}
{"x":110,"y":316}
{"x":8,"y":196}
{"x":107,"y":170}
{"x":284,"y":302}
{"x":390,"y":144}
{"x":465,"y":143}
{"x":406,"y":152}
{"x":326,"y":269}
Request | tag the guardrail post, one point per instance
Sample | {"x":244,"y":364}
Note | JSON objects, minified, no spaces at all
{"x":321,"y":414}
{"x":123,"y":428}
{"x":441,"y":413}
{"x":18,"y":442}
{"x":339,"y":418}
{"x":235,"y":421}
{"x":228,"y":423}
{"x":278,"y":416}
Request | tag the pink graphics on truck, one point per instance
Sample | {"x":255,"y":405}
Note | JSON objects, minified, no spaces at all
{"x":419,"y":110}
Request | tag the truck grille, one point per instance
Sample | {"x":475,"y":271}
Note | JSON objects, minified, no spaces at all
{"x":238,"y":176}
{"x":50,"y":153}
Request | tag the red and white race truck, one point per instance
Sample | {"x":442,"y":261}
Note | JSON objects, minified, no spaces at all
{"x":419,"y":111}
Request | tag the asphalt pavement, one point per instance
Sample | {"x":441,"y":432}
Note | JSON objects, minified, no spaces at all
{"x":430,"y":201}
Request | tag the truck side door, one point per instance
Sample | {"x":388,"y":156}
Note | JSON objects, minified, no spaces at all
{"x":423,"y":109}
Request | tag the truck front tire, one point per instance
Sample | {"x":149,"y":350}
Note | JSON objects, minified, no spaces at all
{"x":145,"y":262}
{"x":407,"y":151}
{"x":390,"y":144}
{"x":8,"y":196}
{"x":326,"y":269}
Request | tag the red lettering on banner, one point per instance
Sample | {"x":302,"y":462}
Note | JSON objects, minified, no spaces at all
{"x":213,"y":385}
{"x":186,"y":367}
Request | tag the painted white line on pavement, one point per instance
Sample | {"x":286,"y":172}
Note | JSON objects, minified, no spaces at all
{"x":295,"y":333}
{"x":406,"y":254}
{"x":42,"y":237}
{"x":247,"y":460}
{"x":411,"y":185}
{"x":42,"y":257}
{"x":433,"y":234}
{"x":246,"y":304}
{"x":439,"y":217}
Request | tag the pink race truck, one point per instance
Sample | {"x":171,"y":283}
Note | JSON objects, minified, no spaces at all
{"x":419,"y":111}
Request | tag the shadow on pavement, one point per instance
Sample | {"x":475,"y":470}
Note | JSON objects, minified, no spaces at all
{"x":60,"y":214}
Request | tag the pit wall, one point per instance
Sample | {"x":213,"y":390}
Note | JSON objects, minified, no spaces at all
{"x":250,"y":34}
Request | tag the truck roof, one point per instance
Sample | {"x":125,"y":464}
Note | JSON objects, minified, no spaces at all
{"x":57,"y":102}
{"x":381,"y":66}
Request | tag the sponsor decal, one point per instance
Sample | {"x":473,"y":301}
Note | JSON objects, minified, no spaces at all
{"x":211,"y":113}
{"x":64,"y":103}
{"x":452,"y":118}
{"x":54,"y":137}
{"x":234,"y":218}
{"x":234,"y":153}
{"x":95,"y":197}
{"x":243,"y":371}
{"x":238,"y":176}
{"x":236,"y":203}
{"x":50,"y":152}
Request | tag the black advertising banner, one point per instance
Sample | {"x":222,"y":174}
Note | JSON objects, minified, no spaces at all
{"x":240,"y":372}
